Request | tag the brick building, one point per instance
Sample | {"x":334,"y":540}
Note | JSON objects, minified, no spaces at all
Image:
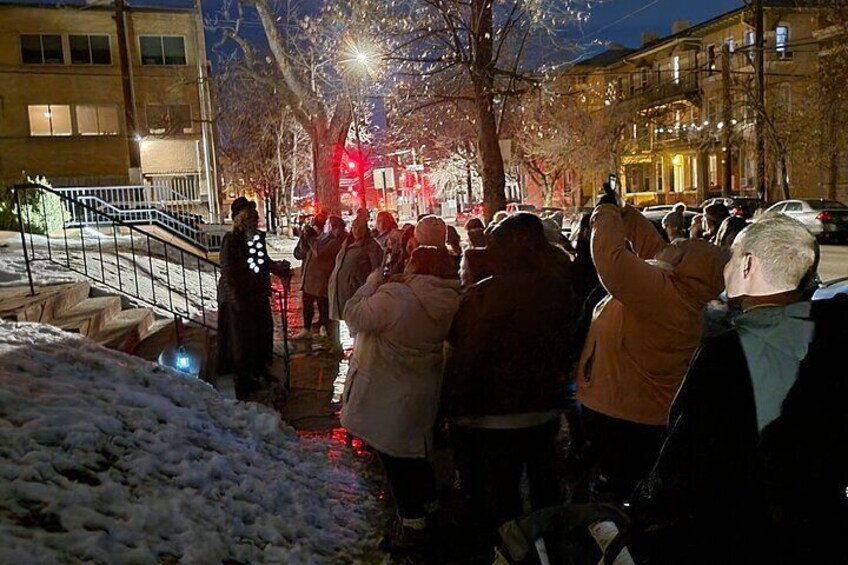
{"x":64,"y":111}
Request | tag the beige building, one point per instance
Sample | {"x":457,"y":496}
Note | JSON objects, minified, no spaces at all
{"x":64,"y":113}
{"x":689,"y":102}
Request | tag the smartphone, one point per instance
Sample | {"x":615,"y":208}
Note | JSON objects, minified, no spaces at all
{"x":613,"y":182}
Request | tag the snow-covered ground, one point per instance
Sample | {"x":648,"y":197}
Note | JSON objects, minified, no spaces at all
{"x":108,"y":459}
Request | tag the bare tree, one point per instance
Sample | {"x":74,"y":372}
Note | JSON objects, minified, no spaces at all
{"x":315,"y":95}
{"x":474,"y":55}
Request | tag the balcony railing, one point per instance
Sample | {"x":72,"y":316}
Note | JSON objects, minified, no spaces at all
{"x":686,"y":85}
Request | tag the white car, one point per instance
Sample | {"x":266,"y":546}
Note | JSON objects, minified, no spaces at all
{"x":826,"y":219}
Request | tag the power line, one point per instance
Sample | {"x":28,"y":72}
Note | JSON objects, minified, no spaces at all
{"x":621,"y":19}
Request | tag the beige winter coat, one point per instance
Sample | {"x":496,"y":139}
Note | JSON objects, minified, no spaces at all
{"x":392,"y":390}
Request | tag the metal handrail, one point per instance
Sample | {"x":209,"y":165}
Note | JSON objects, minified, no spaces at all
{"x":174,"y":272}
{"x":135,"y":201}
{"x":181,"y":307}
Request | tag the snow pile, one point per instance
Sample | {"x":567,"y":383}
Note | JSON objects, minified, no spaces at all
{"x":106,"y":458}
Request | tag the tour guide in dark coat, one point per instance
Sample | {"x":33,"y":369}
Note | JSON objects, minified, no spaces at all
{"x":245,"y":326}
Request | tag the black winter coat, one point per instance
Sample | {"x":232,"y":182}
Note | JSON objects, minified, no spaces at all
{"x":245,"y":326}
{"x":726,"y":493}
{"x":511,"y":345}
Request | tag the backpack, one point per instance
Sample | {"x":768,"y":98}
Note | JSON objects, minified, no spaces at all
{"x":575,"y":534}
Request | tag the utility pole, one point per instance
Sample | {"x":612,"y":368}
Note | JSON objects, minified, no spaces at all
{"x":133,"y":149}
{"x":727,"y":116}
{"x":759,"y":122}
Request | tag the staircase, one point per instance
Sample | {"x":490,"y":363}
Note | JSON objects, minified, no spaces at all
{"x":138,"y":293}
{"x":79,"y":308}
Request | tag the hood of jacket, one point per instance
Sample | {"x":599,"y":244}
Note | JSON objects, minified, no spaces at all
{"x":697,"y":267}
{"x":438,"y":297}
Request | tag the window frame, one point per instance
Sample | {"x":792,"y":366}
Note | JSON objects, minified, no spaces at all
{"x":88,"y":37}
{"x":41,"y":45}
{"x":50,"y":118}
{"x":782,"y":48}
{"x":711,"y":59}
{"x":97,"y":109}
{"x":675,"y":69}
{"x":162,"y":45}
{"x":169,"y":130}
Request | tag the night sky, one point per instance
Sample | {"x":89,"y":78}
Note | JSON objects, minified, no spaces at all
{"x":620,"y":21}
{"x":623,"y":21}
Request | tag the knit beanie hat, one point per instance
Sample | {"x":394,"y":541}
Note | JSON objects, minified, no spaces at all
{"x":431,"y":231}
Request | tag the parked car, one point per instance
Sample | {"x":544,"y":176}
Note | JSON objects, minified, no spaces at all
{"x":656,"y":217}
{"x":659,"y":208}
{"x":826,"y":219}
{"x":743,"y":206}
{"x":514,"y":207}
{"x":831,"y":289}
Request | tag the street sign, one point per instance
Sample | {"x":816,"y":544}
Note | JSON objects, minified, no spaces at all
{"x":384,"y":178}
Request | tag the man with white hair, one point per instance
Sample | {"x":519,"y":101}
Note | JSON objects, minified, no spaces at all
{"x":755,"y":468}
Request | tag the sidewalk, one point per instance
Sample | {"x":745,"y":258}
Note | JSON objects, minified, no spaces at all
{"x":317,"y":377}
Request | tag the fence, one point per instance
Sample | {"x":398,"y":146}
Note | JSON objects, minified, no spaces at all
{"x":99,"y":241}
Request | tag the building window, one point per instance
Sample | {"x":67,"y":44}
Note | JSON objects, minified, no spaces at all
{"x":49,"y":120}
{"x":90,"y":50}
{"x":693,"y":171}
{"x":750,"y":38}
{"x":675,"y":69}
{"x":711,"y":59}
{"x":168,"y":119}
{"x":659,"y":175}
{"x":731,"y":44}
{"x":781,"y":39}
{"x":644,"y":73}
{"x":784,"y":97}
{"x":42,"y":49}
{"x":97,"y":120}
{"x":162,"y":50}
{"x":713,"y":170}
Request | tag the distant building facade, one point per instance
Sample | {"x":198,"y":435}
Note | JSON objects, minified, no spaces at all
{"x":680,"y":113}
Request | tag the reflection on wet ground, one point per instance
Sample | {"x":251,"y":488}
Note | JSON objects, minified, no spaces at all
{"x":317,"y":375}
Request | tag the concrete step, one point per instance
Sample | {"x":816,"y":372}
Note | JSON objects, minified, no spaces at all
{"x":89,"y":316}
{"x":49,"y":302}
{"x":126,"y":330}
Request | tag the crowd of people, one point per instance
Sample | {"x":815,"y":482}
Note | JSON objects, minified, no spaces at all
{"x":698,"y":379}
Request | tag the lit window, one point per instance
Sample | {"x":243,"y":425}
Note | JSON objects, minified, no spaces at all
{"x":659,"y":175}
{"x":731,"y":44}
{"x":162,"y":50}
{"x":42,"y":49}
{"x":750,"y":38}
{"x":97,"y":120}
{"x":49,"y":120}
{"x":675,"y":69}
{"x":711,"y":58}
{"x":90,"y":50}
{"x":781,"y":38}
{"x":713,"y":170}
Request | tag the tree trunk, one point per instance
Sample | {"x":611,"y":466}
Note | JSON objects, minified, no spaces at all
{"x":548,"y":199}
{"x":784,"y":178}
{"x":327,"y":159}
{"x":833,"y":174}
{"x":494,"y":178}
